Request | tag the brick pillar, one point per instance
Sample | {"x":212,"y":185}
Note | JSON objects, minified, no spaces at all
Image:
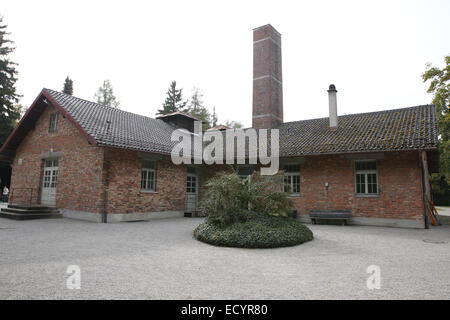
{"x":267,"y":79}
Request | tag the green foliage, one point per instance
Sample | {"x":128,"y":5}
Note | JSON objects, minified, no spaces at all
{"x":9,"y":111}
{"x":214,"y":118}
{"x":233,"y":124}
{"x":173,"y":100}
{"x":441,"y":190}
{"x":266,"y":195}
{"x":439,"y":80}
{"x":259,"y":231}
{"x":226,"y":199}
{"x":105,"y":95}
{"x":68,"y":86}
{"x":198,"y":110}
{"x":229,"y":199}
{"x":195,"y":106}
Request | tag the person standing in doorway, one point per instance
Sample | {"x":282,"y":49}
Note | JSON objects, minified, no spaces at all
{"x":5,"y":194}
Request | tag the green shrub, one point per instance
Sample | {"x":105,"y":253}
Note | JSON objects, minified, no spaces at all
{"x":230,"y":199}
{"x":226,"y":199}
{"x":266,"y":195}
{"x":258,"y":231}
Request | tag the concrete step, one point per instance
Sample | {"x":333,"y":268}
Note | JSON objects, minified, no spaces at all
{"x":29,"y":211}
{"x":29,"y":216}
{"x":32,"y":207}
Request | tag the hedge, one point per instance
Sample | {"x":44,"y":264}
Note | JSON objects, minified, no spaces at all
{"x":262,"y":231}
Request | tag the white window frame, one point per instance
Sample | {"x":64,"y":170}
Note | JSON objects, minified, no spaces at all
{"x":190,"y":184}
{"x":51,"y":166}
{"x":146,"y":185}
{"x":366,"y":180}
{"x":291,"y":175}
{"x":53,"y":122}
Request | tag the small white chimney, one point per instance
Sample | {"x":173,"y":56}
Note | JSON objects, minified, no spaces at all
{"x":333,"y":107}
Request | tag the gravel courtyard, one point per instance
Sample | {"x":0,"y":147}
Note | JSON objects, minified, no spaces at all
{"x":160,"y":260}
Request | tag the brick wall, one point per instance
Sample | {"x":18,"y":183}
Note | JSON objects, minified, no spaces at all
{"x":399,"y":179}
{"x":124,"y":185}
{"x":267,"y":78}
{"x":79,"y":185}
{"x":83,"y":173}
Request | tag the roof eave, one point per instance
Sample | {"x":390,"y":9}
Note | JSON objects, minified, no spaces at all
{"x":8,"y":151}
{"x":69,"y":117}
{"x":360,"y":151}
{"x":14,"y":132}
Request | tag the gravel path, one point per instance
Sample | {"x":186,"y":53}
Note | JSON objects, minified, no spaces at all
{"x":160,"y":260}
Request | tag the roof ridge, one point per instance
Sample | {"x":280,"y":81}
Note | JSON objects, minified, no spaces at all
{"x":51,"y":91}
{"x":365,"y":113}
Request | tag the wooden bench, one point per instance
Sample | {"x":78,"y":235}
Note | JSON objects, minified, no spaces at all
{"x":337,"y":215}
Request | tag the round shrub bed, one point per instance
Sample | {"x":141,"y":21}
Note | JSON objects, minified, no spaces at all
{"x":262,"y":231}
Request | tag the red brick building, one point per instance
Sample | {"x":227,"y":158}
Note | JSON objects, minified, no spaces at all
{"x":99,"y":163}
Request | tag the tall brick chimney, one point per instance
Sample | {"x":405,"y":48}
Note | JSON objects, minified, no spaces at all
{"x":267,"y":79}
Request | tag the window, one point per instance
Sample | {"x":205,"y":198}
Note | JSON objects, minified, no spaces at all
{"x":366,"y":177}
{"x":148,"y":175}
{"x":53,"y":122}
{"x":51,"y":163}
{"x":292,"y":178}
{"x":191,"y":180}
{"x":191,"y":184}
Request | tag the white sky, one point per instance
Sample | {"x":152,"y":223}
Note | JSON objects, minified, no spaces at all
{"x":373,"y":51}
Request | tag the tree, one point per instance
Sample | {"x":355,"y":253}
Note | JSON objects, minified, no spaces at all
{"x":214,"y":118}
{"x":439,"y":80}
{"x":173,"y":100}
{"x":233,"y":124}
{"x":198,"y":110}
{"x":9,"y":111}
{"x":105,"y":95}
{"x":68,"y":86}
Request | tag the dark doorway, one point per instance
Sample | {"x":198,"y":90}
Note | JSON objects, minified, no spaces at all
{"x":5,"y":174}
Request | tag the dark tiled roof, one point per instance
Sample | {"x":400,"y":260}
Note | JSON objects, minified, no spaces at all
{"x":218,"y":127}
{"x":125,"y":130}
{"x":178,"y":113}
{"x":399,"y":129}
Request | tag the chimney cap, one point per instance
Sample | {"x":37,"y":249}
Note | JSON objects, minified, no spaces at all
{"x":332,"y":88}
{"x":267,"y":26}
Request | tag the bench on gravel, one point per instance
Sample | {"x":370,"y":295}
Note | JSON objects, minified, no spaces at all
{"x":334,"y":215}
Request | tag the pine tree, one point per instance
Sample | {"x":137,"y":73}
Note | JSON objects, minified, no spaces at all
{"x":214,"y":118}
{"x":9,"y":111}
{"x":173,"y":100}
{"x":68,"y":86}
{"x":198,"y":110}
{"x":105,"y":95}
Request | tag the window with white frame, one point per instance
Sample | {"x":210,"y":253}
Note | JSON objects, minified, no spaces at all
{"x":53,"y":122}
{"x":292,"y":178}
{"x":366,"y":177}
{"x":148,"y":175}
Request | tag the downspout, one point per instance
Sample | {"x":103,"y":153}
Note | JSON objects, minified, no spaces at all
{"x":105,"y":171}
{"x":424,"y":197}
